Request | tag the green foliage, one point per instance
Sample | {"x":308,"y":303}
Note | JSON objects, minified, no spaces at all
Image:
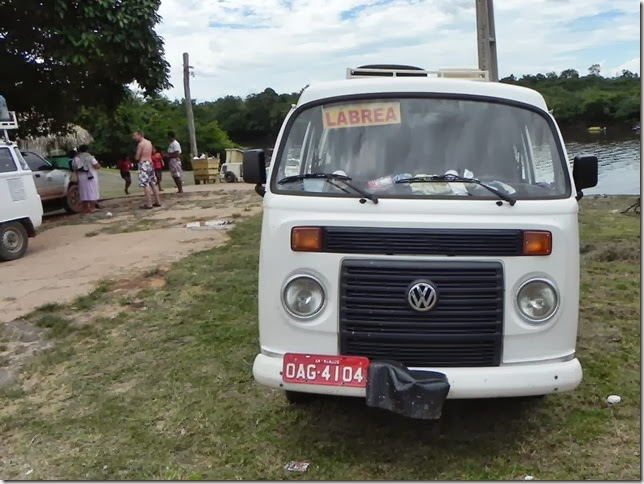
{"x":589,"y":100}
{"x":60,"y":55}
{"x":155,"y":117}
{"x":254,"y":121}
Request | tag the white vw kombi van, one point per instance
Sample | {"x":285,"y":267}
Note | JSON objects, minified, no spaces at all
{"x":419,"y":242}
{"x":21,"y":209}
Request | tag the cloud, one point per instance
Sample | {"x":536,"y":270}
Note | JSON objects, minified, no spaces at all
{"x":243,"y":46}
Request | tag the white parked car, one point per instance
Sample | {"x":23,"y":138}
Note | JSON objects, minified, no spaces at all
{"x":57,"y":187}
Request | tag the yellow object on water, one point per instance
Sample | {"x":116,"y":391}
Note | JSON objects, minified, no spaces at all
{"x":596,"y":129}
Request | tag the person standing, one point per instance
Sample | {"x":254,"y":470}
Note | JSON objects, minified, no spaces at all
{"x":157,"y":162}
{"x":174,"y":163}
{"x":125,"y":165}
{"x":86,"y":168}
{"x":147,"y":178}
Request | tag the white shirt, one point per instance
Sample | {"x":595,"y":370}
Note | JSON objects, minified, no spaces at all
{"x":174,"y":146}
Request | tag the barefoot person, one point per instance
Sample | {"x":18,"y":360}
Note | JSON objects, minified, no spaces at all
{"x":147,"y":178}
{"x":125,"y":165}
{"x":174,"y":163}
{"x":157,"y":162}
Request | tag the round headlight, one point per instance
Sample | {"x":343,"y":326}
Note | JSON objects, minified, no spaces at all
{"x":537,"y":300}
{"x":303,"y":297}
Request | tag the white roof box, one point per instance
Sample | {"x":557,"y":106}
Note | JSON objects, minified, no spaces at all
{"x":464,"y":73}
{"x":411,"y":71}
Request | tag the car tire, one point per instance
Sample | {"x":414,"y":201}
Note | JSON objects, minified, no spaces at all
{"x":72,"y":202}
{"x":230,"y":177}
{"x":13,"y":241}
{"x":299,"y":398}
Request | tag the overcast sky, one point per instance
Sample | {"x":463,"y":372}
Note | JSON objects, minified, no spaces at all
{"x":240,"y":47}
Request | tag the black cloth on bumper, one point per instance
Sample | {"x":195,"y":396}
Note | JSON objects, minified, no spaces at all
{"x":412,"y":393}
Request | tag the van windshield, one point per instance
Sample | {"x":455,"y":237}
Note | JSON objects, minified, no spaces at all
{"x":379,"y":142}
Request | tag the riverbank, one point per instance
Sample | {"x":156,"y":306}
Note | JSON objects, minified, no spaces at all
{"x":151,"y":378}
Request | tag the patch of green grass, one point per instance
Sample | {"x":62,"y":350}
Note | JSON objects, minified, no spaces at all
{"x":58,"y":326}
{"x":167,"y":392}
{"x":90,"y":300}
{"x":154,"y":271}
{"x":49,"y":308}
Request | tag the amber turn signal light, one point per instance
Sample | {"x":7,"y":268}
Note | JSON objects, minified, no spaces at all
{"x":537,"y":243}
{"x":306,"y":239}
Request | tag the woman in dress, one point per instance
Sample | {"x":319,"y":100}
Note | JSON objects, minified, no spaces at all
{"x":86,"y":167}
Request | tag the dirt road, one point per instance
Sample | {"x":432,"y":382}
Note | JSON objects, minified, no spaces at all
{"x":72,"y":253}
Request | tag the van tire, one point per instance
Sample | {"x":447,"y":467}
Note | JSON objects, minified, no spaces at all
{"x":13,"y":241}
{"x":299,"y":398}
{"x":72,"y":202}
{"x":230,"y":177}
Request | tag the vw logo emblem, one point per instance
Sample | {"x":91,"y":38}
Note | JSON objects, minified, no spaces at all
{"x":422,"y":296}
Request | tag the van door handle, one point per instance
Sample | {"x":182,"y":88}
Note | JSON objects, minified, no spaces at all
{"x":37,"y":175}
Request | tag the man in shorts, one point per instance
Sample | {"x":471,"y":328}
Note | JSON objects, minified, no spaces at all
{"x":125,"y":165}
{"x":174,"y":163}
{"x":147,"y":178}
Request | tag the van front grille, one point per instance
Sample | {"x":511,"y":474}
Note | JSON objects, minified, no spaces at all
{"x":444,"y":242}
{"x":464,"y":329}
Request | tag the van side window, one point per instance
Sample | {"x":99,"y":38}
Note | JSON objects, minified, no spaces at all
{"x":7,"y":164}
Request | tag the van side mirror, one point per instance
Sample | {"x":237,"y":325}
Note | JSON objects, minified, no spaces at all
{"x":254,"y":166}
{"x":585,"y":171}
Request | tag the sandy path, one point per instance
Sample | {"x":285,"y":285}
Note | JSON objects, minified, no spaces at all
{"x":64,"y":262}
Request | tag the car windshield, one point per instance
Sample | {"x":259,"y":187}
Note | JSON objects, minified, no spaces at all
{"x":380,"y":142}
{"x":34,"y":161}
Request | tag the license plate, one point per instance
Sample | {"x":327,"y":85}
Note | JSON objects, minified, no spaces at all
{"x":346,"y":371}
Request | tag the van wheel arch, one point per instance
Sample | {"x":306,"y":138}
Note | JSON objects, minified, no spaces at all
{"x":29,"y":226}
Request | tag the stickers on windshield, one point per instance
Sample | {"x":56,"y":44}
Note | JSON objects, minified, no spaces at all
{"x":365,"y":114}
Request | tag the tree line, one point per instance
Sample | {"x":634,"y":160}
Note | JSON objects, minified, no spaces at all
{"x":255,"y":121}
{"x":228,"y":122}
{"x":589,"y":100}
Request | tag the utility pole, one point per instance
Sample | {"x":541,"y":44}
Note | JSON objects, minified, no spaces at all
{"x":486,"y":37}
{"x":189,"y":114}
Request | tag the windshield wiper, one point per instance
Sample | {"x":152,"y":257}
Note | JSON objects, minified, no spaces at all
{"x":330,"y":177}
{"x":458,"y":179}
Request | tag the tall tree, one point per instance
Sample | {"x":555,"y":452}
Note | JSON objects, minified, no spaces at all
{"x":57,"y":56}
{"x":594,"y":70}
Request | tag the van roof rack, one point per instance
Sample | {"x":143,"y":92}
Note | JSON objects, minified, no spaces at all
{"x":10,"y":123}
{"x":388,"y":70}
{"x":8,"y":119}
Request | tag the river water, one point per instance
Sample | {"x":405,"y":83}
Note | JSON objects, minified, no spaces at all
{"x":619,"y":159}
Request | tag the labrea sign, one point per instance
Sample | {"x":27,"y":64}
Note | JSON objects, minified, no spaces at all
{"x":366,"y":114}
